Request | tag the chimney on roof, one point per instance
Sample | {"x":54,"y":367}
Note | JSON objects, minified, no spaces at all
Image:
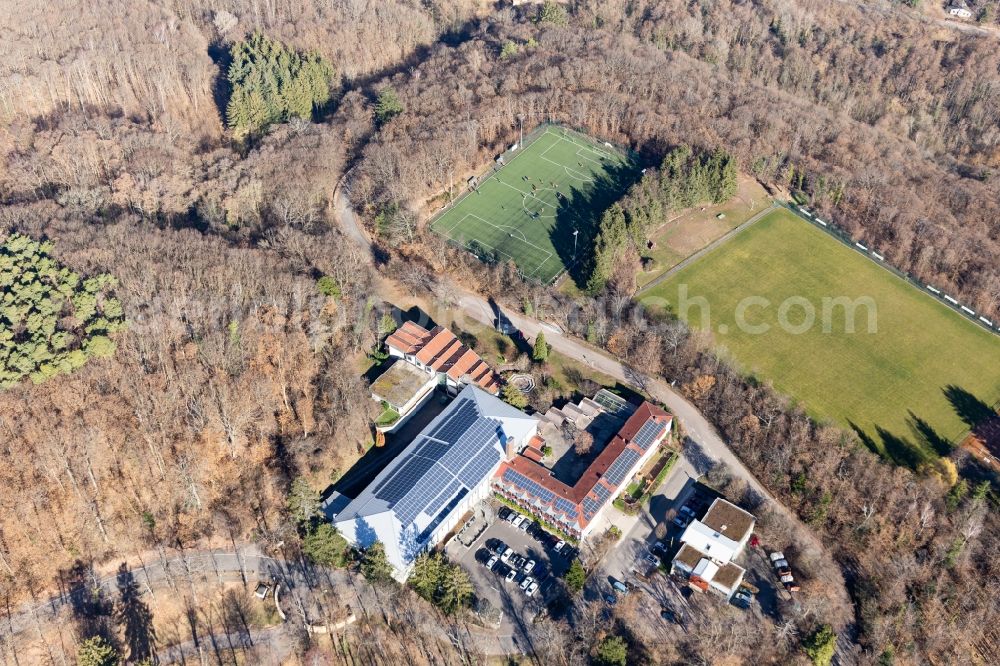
{"x":509,"y":444}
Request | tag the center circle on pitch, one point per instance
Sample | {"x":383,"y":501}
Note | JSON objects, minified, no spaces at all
{"x":534,"y":207}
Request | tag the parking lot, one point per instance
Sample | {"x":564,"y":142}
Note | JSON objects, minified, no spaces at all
{"x":519,"y":558}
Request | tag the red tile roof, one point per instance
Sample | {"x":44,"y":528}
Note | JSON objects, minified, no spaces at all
{"x":441,"y":350}
{"x":408,"y":337}
{"x":530,"y":467}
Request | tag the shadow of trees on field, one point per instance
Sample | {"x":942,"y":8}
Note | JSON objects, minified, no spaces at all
{"x":969,"y":408}
{"x":581,"y":209}
{"x":927,"y":435}
{"x":888,"y":445}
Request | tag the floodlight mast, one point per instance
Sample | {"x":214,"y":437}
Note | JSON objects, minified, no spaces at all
{"x":575,"y":234}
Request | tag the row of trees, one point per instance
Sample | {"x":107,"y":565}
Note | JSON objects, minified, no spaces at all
{"x":685,"y":178}
{"x":52,"y":320}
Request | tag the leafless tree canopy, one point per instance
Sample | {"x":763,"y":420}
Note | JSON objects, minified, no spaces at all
{"x":236,"y":374}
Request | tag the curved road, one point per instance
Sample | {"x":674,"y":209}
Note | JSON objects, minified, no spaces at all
{"x":702,"y":433}
{"x":478,"y":308}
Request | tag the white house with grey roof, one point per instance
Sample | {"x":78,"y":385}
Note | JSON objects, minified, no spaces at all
{"x":420,"y":496}
{"x":711,"y":544}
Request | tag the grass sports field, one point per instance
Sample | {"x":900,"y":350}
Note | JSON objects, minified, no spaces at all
{"x":906,"y":386}
{"x":527,"y":211}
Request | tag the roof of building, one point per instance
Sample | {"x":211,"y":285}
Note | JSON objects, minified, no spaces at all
{"x":578,"y":504}
{"x":709,"y":542}
{"x":689,"y":556}
{"x":729,"y":520}
{"x":728,"y":576}
{"x":399,"y":383}
{"x":419,"y":489}
{"x":725,"y":575}
{"x":441,"y":350}
{"x":408,"y":338}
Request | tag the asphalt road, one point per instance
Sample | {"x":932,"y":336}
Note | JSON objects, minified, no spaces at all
{"x":477,"y":307}
{"x":705,"y":446}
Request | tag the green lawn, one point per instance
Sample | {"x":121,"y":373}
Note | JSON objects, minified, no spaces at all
{"x":905,"y":386}
{"x":528,"y":210}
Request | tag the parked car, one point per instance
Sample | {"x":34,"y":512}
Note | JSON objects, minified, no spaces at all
{"x":507,"y":554}
{"x":504,"y":513}
{"x":658,"y":548}
{"x":777,"y":555}
{"x":653,"y":560}
{"x":619,"y":587}
{"x":518,"y":520}
{"x":560,"y":545}
{"x":742,"y":598}
{"x":684,"y":516}
{"x":610,"y":598}
{"x":781,"y":566}
{"x":669,"y":615}
{"x":526,"y":524}
{"x":528,"y":580}
{"x":500,"y":548}
{"x":511,"y":575}
{"x":529,"y":566}
{"x":516,"y":561}
{"x":492,"y":562}
{"x":532,"y":589}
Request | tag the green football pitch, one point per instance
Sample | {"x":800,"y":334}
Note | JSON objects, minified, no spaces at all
{"x":906,"y":386}
{"x":529,"y":210}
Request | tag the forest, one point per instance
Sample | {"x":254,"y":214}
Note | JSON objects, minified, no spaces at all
{"x":245,"y":310}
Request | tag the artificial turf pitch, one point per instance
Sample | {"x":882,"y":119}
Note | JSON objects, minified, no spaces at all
{"x":903,"y":386}
{"x":527,"y":210}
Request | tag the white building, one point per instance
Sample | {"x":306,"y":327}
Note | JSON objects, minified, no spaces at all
{"x":405,"y":389}
{"x":440,"y":354}
{"x":710,"y":546}
{"x":420,"y":496}
{"x":959,"y":9}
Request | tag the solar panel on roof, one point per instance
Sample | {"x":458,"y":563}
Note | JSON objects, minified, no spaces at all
{"x":423,"y":536}
{"x":443,"y":497}
{"x":421,"y":493}
{"x":602,"y":493}
{"x":590,"y":507}
{"x":462,"y":417}
{"x":479,"y":466}
{"x":432,"y":449}
{"x":566,"y":507}
{"x":523,"y":482}
{"x":619,"y":469}
{"x":648,"y":433}
{"x":482,"y":435}
{"x":394,"y":487}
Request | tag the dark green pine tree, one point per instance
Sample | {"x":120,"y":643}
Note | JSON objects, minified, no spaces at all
{"x":272,"y":83}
